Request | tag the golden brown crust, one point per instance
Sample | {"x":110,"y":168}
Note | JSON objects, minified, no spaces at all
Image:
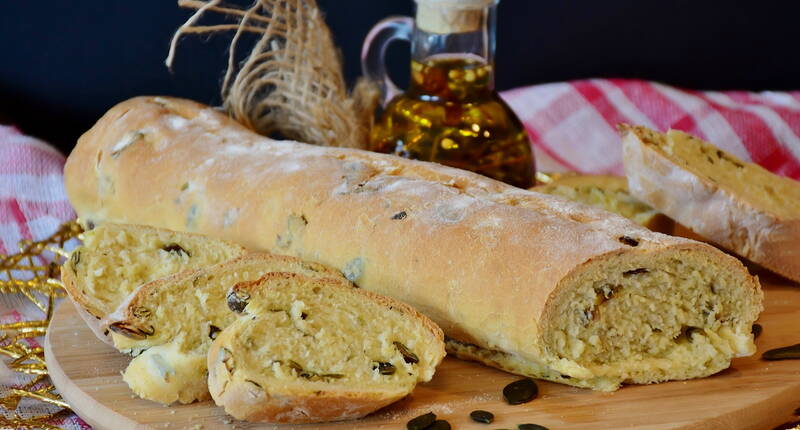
{"x":477,"y":256}
{"x":713,"y":210}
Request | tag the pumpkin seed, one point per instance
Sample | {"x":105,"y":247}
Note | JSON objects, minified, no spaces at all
{"x":74,"y":260}
{"x":757,"y":329}
{"x":385,"y":368}
{"x":421,"y":422}
{"x":531,"y":427}
{"x":237,"y":300}
{"x":785,"y":353}
{"x":408,"y":356}
{"x":522,"y":391}
{"x":141,"y":312}
{"x":254,"y":383}
{"x":213,"y":331}
{"x":439,"y":425}
{"x":332,"y":375}
{"x":635,"y":272}
{"x":130,"y":331}
{"x":691,"y":331}
{"x":176,"y":249}
{"x":400,"y":215}
{"x":627,"y":240}
{"x":480,"y":416}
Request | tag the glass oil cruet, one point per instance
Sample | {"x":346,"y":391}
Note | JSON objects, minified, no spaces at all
{"x":451,"y":113}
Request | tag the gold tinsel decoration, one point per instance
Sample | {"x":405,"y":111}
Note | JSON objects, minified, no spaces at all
{"x":34,"y":273}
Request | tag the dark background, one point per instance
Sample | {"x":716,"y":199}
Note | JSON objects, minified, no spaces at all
{"x":64,"y":63}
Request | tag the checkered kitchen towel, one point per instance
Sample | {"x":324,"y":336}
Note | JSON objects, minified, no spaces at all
{"x":572,"y":125}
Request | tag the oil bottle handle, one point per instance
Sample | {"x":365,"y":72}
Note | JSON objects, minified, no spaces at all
{"x":373,"y":53}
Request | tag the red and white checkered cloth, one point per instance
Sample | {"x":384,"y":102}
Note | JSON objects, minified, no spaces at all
{"x":572,"y":124}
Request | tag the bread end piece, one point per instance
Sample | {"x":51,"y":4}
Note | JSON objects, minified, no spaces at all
{"x":733,"y":203}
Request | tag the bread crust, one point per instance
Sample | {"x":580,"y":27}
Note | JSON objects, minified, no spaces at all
{"x":712,"y":210}
{"x":304,"y":404}
{"x":481,"y":258}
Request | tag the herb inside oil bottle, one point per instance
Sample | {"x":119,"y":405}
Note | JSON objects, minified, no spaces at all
{"x":452,"y":115}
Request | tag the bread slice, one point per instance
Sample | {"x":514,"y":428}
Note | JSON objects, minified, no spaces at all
{"x":170,"y":323}
{"x":307,"y":350}
{"x":114,"y":259}
{"x":607,"y":192}
{"x":738,"y":205}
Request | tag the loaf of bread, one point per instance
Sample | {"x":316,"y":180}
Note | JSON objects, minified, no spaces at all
{"x":170,"y":323}
{"x":607,"y":192}
{"x":308,"y":350}
{"x":520,"y":280}
{"x":114,"y":259}
{"x":738,"y":205}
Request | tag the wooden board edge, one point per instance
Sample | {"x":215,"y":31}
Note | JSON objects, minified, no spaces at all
{"x":94,"y":413}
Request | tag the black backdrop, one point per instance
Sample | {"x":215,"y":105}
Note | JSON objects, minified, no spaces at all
{"x":63,"y":63}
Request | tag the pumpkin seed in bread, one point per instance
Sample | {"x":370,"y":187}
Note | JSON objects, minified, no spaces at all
{"x":169,"y":324}
{"x":306,"y":350}
{"x":114,"y":259}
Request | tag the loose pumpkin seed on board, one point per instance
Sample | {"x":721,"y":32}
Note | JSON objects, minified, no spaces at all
{"x":521,"y":391}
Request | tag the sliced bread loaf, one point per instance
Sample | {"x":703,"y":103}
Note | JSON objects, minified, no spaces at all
{"x":310,"y":350}
{"x":552,"y":288}
{"x":114,"y":259}
{"x":735,"y":204}
{"x":169,"y":323}
{"x":606,"y":192}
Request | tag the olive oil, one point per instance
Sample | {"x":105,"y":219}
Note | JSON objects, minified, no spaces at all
{"x":452,"y":115}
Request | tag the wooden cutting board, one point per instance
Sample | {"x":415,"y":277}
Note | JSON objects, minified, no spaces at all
{"x":752,"y":394}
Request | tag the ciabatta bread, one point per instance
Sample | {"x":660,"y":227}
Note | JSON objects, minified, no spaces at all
{"x":114,"y":259}
{"x":170,"y":323}
{"x":308,"y":350}
{"x":610,"y":193}
{"x":735,"y":204}
{"x":520,"y":280}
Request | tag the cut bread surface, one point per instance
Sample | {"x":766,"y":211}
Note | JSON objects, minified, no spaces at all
{"x":641,"y":320}
{"x":312,"y":350}
{"x":735,"y":204}
{"x":169,"y":323}
{"x":114,"y":259}
{"x":609,"y":193}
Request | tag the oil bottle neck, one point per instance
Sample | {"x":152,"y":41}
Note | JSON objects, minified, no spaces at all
{"x":456,"y":38}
